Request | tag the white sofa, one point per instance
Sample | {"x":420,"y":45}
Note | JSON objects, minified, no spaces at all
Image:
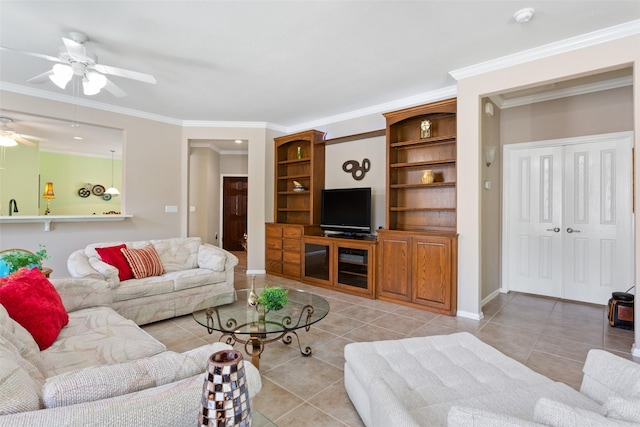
{"x":101,"y":370}
{"x":457,"y":380}
{"x":193,"y":271}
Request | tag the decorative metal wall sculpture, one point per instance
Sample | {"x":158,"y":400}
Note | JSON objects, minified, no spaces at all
{"x":357,"y":171}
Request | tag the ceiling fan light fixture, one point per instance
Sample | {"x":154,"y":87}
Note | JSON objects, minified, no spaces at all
{"x":5,"y":141}
{"x":93,"y":82}
{"x":62,"y":74}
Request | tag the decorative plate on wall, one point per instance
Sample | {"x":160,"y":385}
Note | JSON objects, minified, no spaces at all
{"x":98,"y":190}
{"x":83,"y":192}
{"x":106,"y":197}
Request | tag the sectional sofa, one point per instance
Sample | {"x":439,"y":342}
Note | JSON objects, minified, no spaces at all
{"x":101,"y":368}
{"x":190,"y":271}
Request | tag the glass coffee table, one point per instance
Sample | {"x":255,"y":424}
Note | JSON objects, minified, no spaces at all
{"x":231,"y":314}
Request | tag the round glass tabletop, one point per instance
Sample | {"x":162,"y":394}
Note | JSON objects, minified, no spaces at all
{"x":231,"y":313}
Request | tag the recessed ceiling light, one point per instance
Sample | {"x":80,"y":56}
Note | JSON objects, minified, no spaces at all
{"x":77,"y":137}
{"x":238,"y":141}
{"x":524,"y":15}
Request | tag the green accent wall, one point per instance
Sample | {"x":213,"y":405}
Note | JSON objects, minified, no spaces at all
{"x":26,"y":170}
{"x":69,"y":173}
{"x":19,"y":179}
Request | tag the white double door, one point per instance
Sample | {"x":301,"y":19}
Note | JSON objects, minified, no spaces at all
{"x":568,"y":220}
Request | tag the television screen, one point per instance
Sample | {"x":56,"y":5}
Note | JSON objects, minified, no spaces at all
{"x":346,"y":209}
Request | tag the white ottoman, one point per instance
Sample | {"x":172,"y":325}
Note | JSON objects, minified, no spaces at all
{"x":415,"y":381}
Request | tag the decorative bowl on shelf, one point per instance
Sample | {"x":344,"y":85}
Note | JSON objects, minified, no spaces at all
{"x":298,"y":187}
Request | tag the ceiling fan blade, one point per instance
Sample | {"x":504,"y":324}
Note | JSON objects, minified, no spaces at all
{"x":114,"y":89}
{"x":75,"y":49}
{"x":24,"y":141}
{"x":37,"y":55}
{"x":41,"y":78}
{"x":135,"y":75}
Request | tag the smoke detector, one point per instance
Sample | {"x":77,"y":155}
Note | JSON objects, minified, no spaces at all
{"x":524,"y":15}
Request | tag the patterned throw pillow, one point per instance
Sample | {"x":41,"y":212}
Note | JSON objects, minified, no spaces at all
{"x":33,"y":302}
{"x":143,"y":262}
{"x":112,"y":255}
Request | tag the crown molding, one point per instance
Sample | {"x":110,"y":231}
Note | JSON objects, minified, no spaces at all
{"x":562,"y":93}
{"x":227,"y":124}
{"x":589,"y":39}
{"x":39,"y":93}
{"x":422,"y":98}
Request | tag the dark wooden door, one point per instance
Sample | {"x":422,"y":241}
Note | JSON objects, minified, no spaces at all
{"x":234,"y":212}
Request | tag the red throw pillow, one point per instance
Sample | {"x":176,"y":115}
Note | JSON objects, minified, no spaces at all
{"x":144,"y":262}
{"x":112,"y":255}
{"x":32,"y":301}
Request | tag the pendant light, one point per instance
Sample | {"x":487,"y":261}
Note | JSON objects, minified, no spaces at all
{"x":112,"y":190}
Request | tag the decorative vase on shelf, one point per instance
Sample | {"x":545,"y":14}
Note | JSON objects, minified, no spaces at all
{"x":299,"y":153}
{"x":427,"y":176}
{"x":225,"y":396}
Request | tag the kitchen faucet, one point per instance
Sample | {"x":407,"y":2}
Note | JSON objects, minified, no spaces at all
{"x":15,"y":207}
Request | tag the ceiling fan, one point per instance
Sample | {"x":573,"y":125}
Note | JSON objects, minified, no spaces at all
{"x":74,"y":60}
{"x":9,"y":137}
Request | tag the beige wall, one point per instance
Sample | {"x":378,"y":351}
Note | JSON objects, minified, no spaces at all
{"x":590,"y":60}
{"x":256,"y":168}
{"x":150,"y":147}
{"x":373,"y":149}
{"x":204,"y":193}
{"x":155,"y":164}
{"x":491,"y":204}
{"x":590,"y":114}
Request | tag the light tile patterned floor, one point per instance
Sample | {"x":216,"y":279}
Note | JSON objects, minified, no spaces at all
{"x":550,"y":336}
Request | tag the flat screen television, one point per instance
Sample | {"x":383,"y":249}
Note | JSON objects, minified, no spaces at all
{"x":347,"y":210}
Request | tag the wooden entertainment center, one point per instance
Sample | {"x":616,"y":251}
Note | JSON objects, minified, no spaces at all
{"x":414,"y":259}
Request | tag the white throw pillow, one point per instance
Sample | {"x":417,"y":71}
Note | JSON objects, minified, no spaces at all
{"x":622,"y":408}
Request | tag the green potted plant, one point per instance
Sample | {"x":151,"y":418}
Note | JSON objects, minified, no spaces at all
{"x":17,"y":258}
{"x":274,"y":298}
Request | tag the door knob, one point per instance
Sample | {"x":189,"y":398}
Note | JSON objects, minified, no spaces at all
{"x":555,"y":230}
{"x":571,"y":230}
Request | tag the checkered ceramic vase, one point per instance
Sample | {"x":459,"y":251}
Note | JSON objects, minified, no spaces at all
{"x":225,"y":397}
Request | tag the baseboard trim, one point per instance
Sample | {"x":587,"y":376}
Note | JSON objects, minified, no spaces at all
{"x":635,"y":351}
{"x":491,"y":296}
{"x":470,"y":315}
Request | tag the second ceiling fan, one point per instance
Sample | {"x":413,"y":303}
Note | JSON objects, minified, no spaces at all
{"x":74,"y":60}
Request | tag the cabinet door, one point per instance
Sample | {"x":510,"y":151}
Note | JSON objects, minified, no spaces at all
{"x":316,"y":261}
{"x":432,"y":273}
{"x":354,"y":265}
{"x":393,"y":266}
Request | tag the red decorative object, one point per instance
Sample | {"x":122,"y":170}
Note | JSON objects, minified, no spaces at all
{"x":32,"y":301}
{"x":113,"y":255}
{"x":225,"y":396}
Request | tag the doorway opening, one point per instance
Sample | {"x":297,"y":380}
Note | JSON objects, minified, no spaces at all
{"x":234,"y":212}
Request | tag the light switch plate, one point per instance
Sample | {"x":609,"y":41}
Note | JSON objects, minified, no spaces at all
{"x":170,"y":209}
